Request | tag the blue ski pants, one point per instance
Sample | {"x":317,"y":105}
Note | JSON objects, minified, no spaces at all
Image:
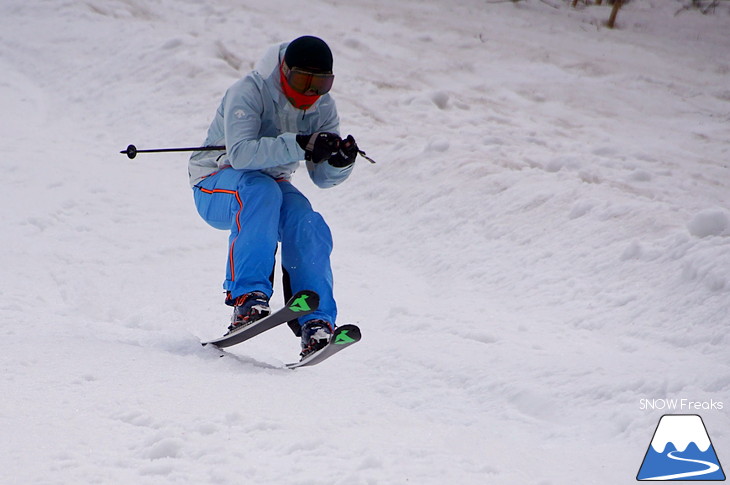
{"x":260,"y":212}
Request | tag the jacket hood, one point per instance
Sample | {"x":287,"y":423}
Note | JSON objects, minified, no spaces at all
{"x":268,"y":65}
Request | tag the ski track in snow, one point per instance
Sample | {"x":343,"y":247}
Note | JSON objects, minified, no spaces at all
{"x":544,"y":241}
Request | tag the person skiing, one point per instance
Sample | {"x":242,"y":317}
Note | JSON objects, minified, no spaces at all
{"x":276,"y":116}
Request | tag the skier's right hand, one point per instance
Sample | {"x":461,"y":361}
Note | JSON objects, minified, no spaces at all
{"x":346,"y":154}
{"x":320,"y":146}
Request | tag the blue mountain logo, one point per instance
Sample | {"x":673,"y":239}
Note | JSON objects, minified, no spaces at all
{"x":681,"y":450}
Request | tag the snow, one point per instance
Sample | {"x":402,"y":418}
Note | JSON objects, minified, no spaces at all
{"x":543,"y":242}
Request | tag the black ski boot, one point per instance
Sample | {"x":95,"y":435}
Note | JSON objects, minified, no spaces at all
{"x":315,"y":335}
{"x":247,"y":309}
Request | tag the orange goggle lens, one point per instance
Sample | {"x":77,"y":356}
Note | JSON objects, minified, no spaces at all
{"x":306,"y":82}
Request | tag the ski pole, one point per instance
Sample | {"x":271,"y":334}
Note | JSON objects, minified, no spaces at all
{"x":132,"y":151}
{"x":362,"y":154}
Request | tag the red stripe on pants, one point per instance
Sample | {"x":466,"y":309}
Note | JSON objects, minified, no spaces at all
{"x":238,"y":223}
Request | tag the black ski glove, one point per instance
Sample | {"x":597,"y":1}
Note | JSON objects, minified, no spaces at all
{"x":347,"y":153}
{"x":320,"y":146}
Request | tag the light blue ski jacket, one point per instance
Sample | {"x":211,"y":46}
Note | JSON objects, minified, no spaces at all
{"x":258,"y":126}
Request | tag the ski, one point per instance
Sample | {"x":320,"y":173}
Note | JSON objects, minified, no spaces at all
{"x":342,"y":338}
{"x":302,"y":303}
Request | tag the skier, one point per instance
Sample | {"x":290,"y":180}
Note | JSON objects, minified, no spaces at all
{"x":270,"y":120}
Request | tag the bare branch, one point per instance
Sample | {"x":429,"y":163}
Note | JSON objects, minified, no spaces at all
{"x":614,"y":11}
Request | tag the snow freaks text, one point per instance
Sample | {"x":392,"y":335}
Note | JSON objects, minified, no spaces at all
{"x":679,"y":405}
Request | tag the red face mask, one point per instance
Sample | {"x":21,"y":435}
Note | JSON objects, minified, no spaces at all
{"x":297,"y":99}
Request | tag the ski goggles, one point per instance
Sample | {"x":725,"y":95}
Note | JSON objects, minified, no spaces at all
{"x":306,"y":82}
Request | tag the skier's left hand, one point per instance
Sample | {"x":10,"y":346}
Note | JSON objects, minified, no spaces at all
{"x":346,"y":154}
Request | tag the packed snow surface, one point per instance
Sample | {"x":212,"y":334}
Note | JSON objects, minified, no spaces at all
{"x":542,"y":248}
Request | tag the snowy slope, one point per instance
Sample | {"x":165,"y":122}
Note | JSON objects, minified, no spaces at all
{"x":544,"y":241}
